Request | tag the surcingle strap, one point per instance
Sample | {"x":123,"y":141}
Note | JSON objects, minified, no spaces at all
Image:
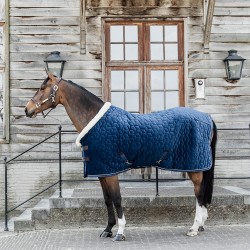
{"x":163,"y":157}
{"x":123,"y":156}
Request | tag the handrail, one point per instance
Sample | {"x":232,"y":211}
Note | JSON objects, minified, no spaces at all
{"x":14,"y":158}
{"x":60,"y":181}
{"x":6,"y":162}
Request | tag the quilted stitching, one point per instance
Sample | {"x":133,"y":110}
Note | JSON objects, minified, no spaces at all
{"x":177,"y":139}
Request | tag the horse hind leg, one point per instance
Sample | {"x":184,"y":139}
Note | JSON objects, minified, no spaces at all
{"x":200,"y":210}
{"x":117,"y":201}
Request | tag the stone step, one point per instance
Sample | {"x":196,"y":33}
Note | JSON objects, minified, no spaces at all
{"x":85,"y":207}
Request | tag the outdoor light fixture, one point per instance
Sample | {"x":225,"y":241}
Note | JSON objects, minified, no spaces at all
{"x":54,"y":63}
{"x":234,"y":65}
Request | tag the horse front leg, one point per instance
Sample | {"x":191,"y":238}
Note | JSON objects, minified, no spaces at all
{"x":112,"y":196}
{"x":109,"y":204}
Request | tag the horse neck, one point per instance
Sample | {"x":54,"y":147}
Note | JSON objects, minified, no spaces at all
{"x":80,"y":105}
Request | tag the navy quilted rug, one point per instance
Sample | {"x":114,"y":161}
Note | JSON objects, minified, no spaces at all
{"x":115,"y":141}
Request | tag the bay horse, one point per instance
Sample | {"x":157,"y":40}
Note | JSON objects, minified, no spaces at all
{"x":82,"y":107}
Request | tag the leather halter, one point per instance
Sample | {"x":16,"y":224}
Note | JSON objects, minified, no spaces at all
{"x":51,"y":97}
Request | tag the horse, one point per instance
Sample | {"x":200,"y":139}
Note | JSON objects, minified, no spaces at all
{"x":83,"y":108}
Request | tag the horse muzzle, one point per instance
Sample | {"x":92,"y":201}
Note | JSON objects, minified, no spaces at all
{"x":30,"y":114}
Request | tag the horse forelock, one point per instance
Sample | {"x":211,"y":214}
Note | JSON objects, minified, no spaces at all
{"x":44,"y":83}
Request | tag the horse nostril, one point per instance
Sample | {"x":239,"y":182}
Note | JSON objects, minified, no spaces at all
{"x":26,"y":111}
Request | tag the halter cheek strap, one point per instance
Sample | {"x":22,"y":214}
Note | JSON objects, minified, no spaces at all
{"x":51,"y":97}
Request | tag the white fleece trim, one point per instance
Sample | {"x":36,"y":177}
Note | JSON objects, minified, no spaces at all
{"x":93,"y":122}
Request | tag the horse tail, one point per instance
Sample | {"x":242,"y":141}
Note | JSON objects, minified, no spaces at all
{"x":208,"y":176}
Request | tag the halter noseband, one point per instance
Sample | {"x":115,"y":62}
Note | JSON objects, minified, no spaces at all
{"x":51,"y":97}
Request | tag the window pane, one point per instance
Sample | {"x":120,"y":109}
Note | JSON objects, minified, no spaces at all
{"x":116,"y":33}
{"x":116,"y":52}
{"x":157,"y":79}
{"x":131,"y":33}
{"x":156,"y":52}
{"x":156,"y":33}
{"x":117,"y":80}
{"x":172,"y":99}
{"x":171,"y":33}
{"x":117,"y":99}
{"x":132,"y":101}
{"x":172,"y":80}
{"x":171,"y":52}
{"x":131,"y":52}
{"x":132,"y":79}
{"x":157,"y":101}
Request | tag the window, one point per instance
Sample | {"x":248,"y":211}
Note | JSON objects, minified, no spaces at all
{"x":4,"y":119}
{"x":144,"y":65}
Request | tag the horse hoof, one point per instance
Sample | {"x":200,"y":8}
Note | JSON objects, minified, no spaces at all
{"x":201,"y":229}
{"x":119,"y":237}
{"x":192,"y":233}
{"x":106,"y":234}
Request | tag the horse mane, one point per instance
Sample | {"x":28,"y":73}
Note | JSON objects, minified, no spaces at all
{"x":87,"y":92}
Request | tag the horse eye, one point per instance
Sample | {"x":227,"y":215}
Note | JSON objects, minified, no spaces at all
{"x":43,"y":87}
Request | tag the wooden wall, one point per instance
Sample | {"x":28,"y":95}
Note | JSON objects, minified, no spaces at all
{"x":39,"y":27}
{"x":228,"y":103}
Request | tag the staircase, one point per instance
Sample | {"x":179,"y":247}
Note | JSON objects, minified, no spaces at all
{"x":84,"y":206}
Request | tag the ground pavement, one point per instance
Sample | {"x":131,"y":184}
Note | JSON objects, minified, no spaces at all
{"x":232,"y":237}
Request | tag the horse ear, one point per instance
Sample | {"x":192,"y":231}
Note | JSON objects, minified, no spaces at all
{"x":51,"y":76}
{"x":46,"y":69}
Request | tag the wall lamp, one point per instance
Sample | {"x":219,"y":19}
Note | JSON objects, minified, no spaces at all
{"x":234,"y":65}
{"x":54,"y":63}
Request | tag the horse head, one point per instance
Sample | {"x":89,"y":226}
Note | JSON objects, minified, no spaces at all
{"x":44,"y":98}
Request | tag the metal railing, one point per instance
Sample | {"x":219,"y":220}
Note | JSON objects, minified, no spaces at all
{"x":60,"y":180}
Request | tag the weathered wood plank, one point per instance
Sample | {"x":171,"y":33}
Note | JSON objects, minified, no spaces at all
{"x":44,"y":130}
{"x":219,"y":82}
{"x":231,"y":20}
{"x":222,"y":11}
{"x":146,"y":3}
{"x":42,"y":39}
{"x":213,"y":73}
{"x":230,"y":28}
{"x":41,"y":21}
{"x":45,"y":3}
{"x":215,"y":55}
{"x":152,"y":11}
{"x":44,"y":12}
{"x":23,"y":120}
{"x":232,"y":3}
{"x":68,"y":74}
{"x":240,"y":47}
{"x":227,"y":91}
{"x":44,"y":30}
{"x":40,"y":56}
{"x":206,"y":64}
{"x":221,"y":100}
{"x":45,"y":48}
{"x":223,"y":109}
{"x":35,"y":84}
{"x":230,"y":38}
{"x":71,"y":65}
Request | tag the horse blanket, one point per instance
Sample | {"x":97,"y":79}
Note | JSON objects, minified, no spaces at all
{"x":176,"y":139}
